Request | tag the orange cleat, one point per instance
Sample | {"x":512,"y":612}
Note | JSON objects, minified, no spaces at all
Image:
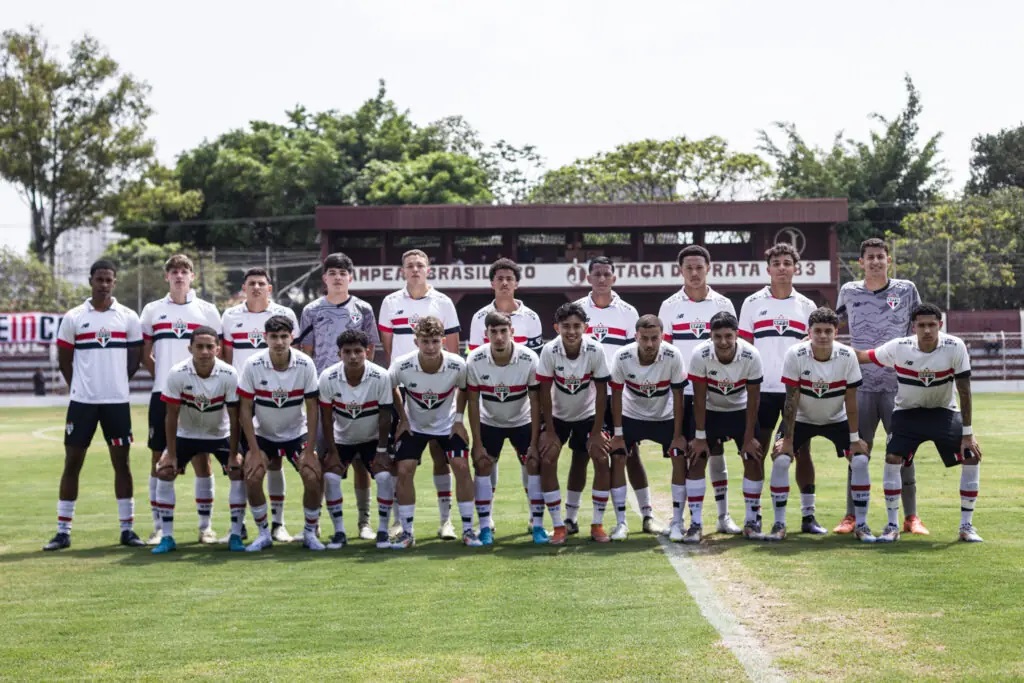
{"x":913,"y":525}
{"x":846,"y":526}
{"x":559,"y":536}
{"x":598,"y":535}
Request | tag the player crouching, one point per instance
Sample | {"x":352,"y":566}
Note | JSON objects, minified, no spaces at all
{"x":201,"y":394}
{"x":274,"y":385}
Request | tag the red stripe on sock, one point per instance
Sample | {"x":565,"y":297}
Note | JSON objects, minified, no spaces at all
{"x":63,"y":519}
{"x":755,"y":496}
{"x":719,"y":484}
{"x":335,"y":502}
{"x":203,"y":500}
{"x":444,"y":494}
{"x":892,"y":492}
{"x":277,"y":499}
{"x":968,"y":494}
{"x":780,"y":489}
{"x":385,"y":502}
{"x":860,"y":488}
{"x":483,"y":502}
{"x":237,"y":506}
{"x":695,"y":500}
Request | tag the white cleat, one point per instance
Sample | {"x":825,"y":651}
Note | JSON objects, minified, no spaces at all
{"x":862,"y":533}
{"x":653,"y":526}
{"x":310,"y":541}
{"x":262,"y":542}
{"x":281,"y":535}
{"x":727,"y":526}
{"x":694,"y":534}
{"x":365,"y":532}
{"x":208,"y":536}
{"x":155,"y":537}
{"x":968,"y":534}
{"x":778,"y":532}
{"x":447,"y":531}
{"x":620,"y":533}
{"x":890,"y":534}
{"x":395,"y":530}
{"x":675,"y":533}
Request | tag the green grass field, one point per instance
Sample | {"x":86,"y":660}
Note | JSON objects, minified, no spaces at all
{"x":928,"y":608}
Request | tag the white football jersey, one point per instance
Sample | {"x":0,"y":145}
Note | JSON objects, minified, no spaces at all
{"x":169,"y":326}
{"x":925,"y":378}
{"x":504,"y":389}
{"x":528,"y":329}
{"x":278,"y":396}
{"x":202,"y":399}
{"x":687,"y":322}
{"x":100,"y":340}
{"x":613,"y":325}
{"x":356,"y":409}
{"x":429,"y":396}
{"x":573,"y":396}
{"x":727,"y":382}
{"x":822,"y":384}
{"x":399,"y":314}
{"x":244,"y":330}
{"x":647,"y":389}
{"x":773,"y":325}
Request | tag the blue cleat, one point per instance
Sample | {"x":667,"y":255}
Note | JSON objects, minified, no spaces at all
{"x":487,"y":536}
{"x":166,"y":545}
{"x":235,"y":544}
{"x":540,"y":535}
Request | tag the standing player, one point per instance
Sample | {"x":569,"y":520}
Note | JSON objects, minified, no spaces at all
{"x":645,"y":374}
{"x":573,"y":373}
{"x":243,"y":327}
{"x":501,"y":386}
{"x":273,"y":386}
{"x":400,"y":312}
{"x":821,"y":378}
{"x":201,"y":393}
{"x":927,"y":366}
{"x":612,"y":322}
{"x":504,"y":275}
{"x":877,"y":310}
{"x":726,"y":373}
{"x":774,"y":319}
{"x":98,"y":349}
{"x":435,"y":390}
{"x":685,"y":316}
{"x":355,"y":403}
{"x":322,"y":321}
{"x":167,"y":326}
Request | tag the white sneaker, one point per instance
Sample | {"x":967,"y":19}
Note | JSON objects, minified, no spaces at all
{"x":727,"y":526}
{"x":620,"y":533}
{"x":653,"y":526}
{"x":281,"y":535}
{"x":675,"y":533}
{"x":262,"y":542}
{"x":365,"y":532}
{"x":447,"y":531}
{"x":969,"y":534}
{"x":395,"y":530}
{"x":890,"y":534}
{"x":155,"y":537}
{"x":694,"y":534}
{"x":862,"y":532}
{"x":310,"y":541}
{"x":209,"y":536}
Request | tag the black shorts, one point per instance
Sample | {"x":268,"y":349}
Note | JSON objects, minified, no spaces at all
{"x":493,"y":440}
{"x":411,"y":445}
{"x":689,"y":425}
{"x":157,"y":416}
{"x":837,"y":432}
{"x":289,"y":450}
{"x":609,"y":424}
{"x":913,"y":427}
{"x":189,"y":448}
{"x":576,"y":434}
{"x":114,"y":418}
{"x":658,"y":431}
{"x":770,"y":409}
{"x":366,"y":452}
{"x":720,"y":426}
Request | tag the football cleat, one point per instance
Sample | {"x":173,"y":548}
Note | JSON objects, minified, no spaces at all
{"x":395,"y":530}
{"x":487,"y":536}
{"x":470,"y":538}
{"x":810,"y":525}
{"x":236,"y":544}
{"x":572,"y":527}
{"x":620,"y":532}
{"x":675,"y":532}
{"x":777,"y":533}
{"x":165,"y":545}
{"x":913,"y":524}
{"x":309,"y":540}
{"x":280,"y":534}
{"x":890,"y":534}
{"x":447,"y":531}
{"x":727,"y":526}
{"x":653,"y":526}
{"x":752,"y":531}
{"x":154,"y":538}
{"x":540,"y":535}
{"x":846,"y":525}
{"x":131,"y":539}
{"x":338,"y":541}
{"x":262,"y":542}
{"x":559,"y":536}
{"x":383,"y":541}
{"x":365,"y":532}
{"x":969,"y":534}
{"x":863,"y":534}
{"x":694,"y":534}
{"x":598,"y":534}
{"x":404,"y":540}
{"x":208,"y":536}
{"x":59,"y":542}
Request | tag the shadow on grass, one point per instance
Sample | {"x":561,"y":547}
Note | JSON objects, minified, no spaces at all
{"x":799,"y":544}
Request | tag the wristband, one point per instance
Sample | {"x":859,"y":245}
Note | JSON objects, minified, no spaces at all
{"x":459,"y":415}
{"x":700,"y":434}
{"x":967,"y":431}
{"x":854,"y":436}
{"x":617,"y":431}
{"x":381,"y":449}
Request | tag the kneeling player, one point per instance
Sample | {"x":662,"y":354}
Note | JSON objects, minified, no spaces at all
{"x":432,"y":412}
{"x":821,"y":378}
{"x":643,"y":376}
{"x":501,"y":386}
{"x":272,"y":389}
{"x":726,"y":374}
{"x":201,"y":394}
{"x":355,"y":397}
{"x":928,"y":364}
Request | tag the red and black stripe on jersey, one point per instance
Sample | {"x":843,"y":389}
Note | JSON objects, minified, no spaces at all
{"x":277,"y":399}
{"x":428,"y":400}
{"x":926,"y":378}
{"x":569,"y":385}
{"x":244,"y":340}
{"x":199,"y":404}
{"x":355,"y":410}
{"x":649,"y":390}
{"x":100,"y":340}
{"x":500,"y":393}
{"x":166,"y":330}
{"x":722,"y":387}
{"x":821,"y":389}
{"x":616,"y":336}
{"x":779,"y":327}
{"x":404,"y":326}
{"x":689,"y":332}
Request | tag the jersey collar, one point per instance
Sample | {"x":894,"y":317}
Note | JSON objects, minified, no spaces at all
{"x":429,"y":293}
{"x":189,"y":297}
{"x":89,"y":306}
{"x":512,"y":361}
{"x":711,"y":292}
{"x":590,"y":300}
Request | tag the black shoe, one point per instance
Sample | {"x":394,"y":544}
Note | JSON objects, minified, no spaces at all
{"x":571,"y":527}
{"x":810,"y":525}
{"x":59,"y":542}
{"x":338,"y":541}
{"x":131,"y":539}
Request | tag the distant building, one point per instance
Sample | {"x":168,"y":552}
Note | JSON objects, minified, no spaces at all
{"x":77,"y":249}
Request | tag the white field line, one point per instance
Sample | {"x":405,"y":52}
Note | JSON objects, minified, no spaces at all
{"x":44,"y":433}
{"x":756,"y":662}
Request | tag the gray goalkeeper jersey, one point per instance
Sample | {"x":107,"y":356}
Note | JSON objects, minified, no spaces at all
{"x":875,"y":317}
{"x":322,"y":322}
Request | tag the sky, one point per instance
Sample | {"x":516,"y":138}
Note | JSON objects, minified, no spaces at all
{"x":570,"y":77}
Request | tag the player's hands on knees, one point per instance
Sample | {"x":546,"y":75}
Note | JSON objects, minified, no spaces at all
{"x":679,"y":446}
{"x":309,"y":466}
{"x":167,"y":464}
{"x":752,"y":447}
{"x":858,"y":447}
{"x":548,"y":442}
{"x":699,"y":448}
{"x":612,"y":446}
{"x":459,"y":430}
{"x":599,"y":439}
{"x":969,"y":447}
{"x":332,"y":461}
{"x":255,"y":465}
{"x":783,"y":446}
{"x":382,"y":462}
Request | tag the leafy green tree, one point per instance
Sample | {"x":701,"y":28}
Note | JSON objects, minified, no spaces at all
{"x":435,"y":178}
{"x":140,"y":271}
{"x":998,"y":161}
{"x":29,"y":285}
{"x":72,"y":132}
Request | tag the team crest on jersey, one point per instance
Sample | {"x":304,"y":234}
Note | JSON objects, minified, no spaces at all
{"x":429,"y":399}
{"x":256,"y":337}
{"x":648,"y":389}
{"x":202,"y":401}
{"x":279,"y":396}
{"x":819,"y":388}
{"x":414,"y":319}
{"x":599,"y":331}
{"x":573,"y":383}
{"x":103,"y":336}
{"x":178,"y":327}
{"x":926,"y":376}
{"x":354,"y":409}
{"x":781,"y":324}
{"x":502,"y":392}
{"x":69,"y":427}
{"x":697,"y":327}
{"x":892,"y":301}
{"x":355,"y":317}
{"x":726,"y":385}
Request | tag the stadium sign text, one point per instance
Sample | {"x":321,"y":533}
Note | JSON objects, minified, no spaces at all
{"x":28,"y":328}
{"x":560,"y":275}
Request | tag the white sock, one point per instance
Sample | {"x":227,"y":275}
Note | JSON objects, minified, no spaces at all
{"x":860,"y":487}
{"x":678,"y":503}
{"x":165,"y":498}
{"x":204,"y":488}
{"x":443,"y":484}
{"x":553,"y":501}
{"x":780,"y":487}
{"x":466,"y":513}
{"x":259,"y":515}
{"x":405,"y":516}
{"x":695,"y":490}
{"x":536,"y":496}
{"x":970,"y":480}
{"x":126,"y":513}
{"x":719,"y":474}
{"x":484,"y":494}
{"x":153,"y":507}
{"x":643,"y":500}
{"x":600,"y":499}
{"x":752,"y":499}
{"x":807,"y":502}
{"x":892,"y":487}
{"x":385,"y":498}
{"x":236,"y":501}
{"x":275,"y":492}
{"x":65,"y":515}
{"x":619,"y":501}
{"x":312,"y":520}
{"x":572,"y":504}
{"x":363,"y":505}
{"x":334,"y":500}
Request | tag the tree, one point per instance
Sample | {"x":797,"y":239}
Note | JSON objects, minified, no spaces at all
{"x":998,"y":161}
{"x":677,"y":169}
{"x":985,"y":238}
{"x":28,"y":285}
{"x":140,"y":271}
{"x":435,"y":178}
{"x":72,"y":133}
{"x":884,"y":179}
